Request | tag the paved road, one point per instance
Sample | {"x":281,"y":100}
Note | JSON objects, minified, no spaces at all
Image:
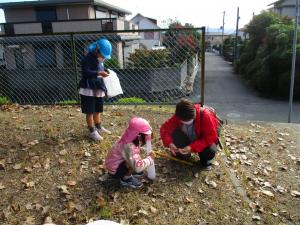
{"x":225,"y":91}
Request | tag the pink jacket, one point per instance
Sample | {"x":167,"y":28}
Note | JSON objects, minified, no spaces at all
{"x":125,"y":150}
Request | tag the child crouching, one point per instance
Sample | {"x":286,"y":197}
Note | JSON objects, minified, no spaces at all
{"x":124,"y":161}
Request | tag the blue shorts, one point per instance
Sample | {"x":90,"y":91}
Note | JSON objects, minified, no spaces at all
{"x":91,"y":104}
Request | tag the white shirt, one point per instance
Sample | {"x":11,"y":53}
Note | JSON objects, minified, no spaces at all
{"x":90,"y":92}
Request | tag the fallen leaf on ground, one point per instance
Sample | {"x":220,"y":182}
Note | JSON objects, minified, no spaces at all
{"x":101,"y":202}
{"x":30,"y":220}
{"x":63,"y":152}
{"x":1,"y":186}
{"x":17,"y":166}
{"x":46,"y":164}
{"x":295,"y":193}
{"x":2,"y":164}
{"x":29,"y":184}
{"x":189,"y":184}
{"x":72,"y":183}
{"x":268,"y":193}
{"x":256,"y":218}
{"x":153,"y":210}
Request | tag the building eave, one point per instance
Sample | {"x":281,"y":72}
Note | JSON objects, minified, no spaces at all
{"x":8,"y":5}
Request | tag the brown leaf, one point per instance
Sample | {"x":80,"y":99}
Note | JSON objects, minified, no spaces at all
{"x":189,"y":200}
{"x":189,"y":184}
{"x":268,"y":193}
{"x":71,"y":206}
{"x":30,"y":220}
{"x":29,"y":184}
{"x":72,"y":183}
{"x":2,"y":164}
{"x":46,"y":164}
{"x":295,"y":193}
{"x":37,"y":165}
{"x":1,"y":186}
{"x":153,"y":210}
{"x":101,"y":202}
{"x":27,"y":170}
{"x":17,"y":166}
{"x":63,"y":152}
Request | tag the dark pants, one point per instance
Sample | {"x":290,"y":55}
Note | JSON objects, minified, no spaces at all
{"x":181,"y":140}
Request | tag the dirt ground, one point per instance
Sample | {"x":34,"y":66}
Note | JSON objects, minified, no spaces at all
{"x":49,"y":168}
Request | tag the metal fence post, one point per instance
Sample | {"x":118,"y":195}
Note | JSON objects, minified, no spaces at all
{"x":74,"y":63}
{"x":202,"y":66}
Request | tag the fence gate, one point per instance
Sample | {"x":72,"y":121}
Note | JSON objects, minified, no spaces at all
{"x":154,"y":66}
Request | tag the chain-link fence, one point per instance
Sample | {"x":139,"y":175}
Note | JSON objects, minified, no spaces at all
{"x":154,"y":66}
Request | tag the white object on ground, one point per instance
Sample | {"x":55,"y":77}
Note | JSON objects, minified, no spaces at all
{"x":112,"y":84}
{"x":150,"y":169}
{"x":103,"y":222}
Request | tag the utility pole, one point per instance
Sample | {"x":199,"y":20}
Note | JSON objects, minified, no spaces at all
{"x":236,"y":35}
{"x":223,"y":33}
{"x":293,"y":61}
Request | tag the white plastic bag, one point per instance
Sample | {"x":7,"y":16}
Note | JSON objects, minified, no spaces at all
{"x":112,"y":84}
{"x":151,"y":169}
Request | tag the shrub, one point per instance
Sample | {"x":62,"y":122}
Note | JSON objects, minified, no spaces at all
{"x":112,"y":63}
{"x":68,"y":102}
{"x":4,"y":100}
{"x":144,"y":58}
{"x":131,"y":100}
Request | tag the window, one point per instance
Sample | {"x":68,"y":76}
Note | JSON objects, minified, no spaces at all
{"x":100,"y":14}
{"x":46,"y":14}
{"x":45,"y":55}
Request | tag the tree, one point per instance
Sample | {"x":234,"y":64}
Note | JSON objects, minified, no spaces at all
{"x":181,"y":43}
{"x":266,"y":59}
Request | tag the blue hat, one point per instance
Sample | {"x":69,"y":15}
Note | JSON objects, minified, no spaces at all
{"x":104,"y":47}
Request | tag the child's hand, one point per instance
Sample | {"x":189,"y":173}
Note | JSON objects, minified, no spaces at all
{"x":173,"y":149}
{"x":185,"y":151}
{"x":152,"y":155}
{"x":103,"y":74}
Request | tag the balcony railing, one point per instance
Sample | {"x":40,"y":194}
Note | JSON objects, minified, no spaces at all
{"x":65,"y":26}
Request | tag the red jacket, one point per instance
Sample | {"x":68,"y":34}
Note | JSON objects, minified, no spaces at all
{"x":206,"y":132}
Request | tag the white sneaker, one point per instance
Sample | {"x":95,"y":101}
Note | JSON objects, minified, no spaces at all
{"x":104,"y":130}
{"x":95,"y":136}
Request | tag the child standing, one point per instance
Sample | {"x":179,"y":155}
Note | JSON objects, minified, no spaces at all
{"x":124,"y":161}
{"x":92,"y":88}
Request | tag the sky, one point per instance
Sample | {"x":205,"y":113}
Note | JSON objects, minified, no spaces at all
{"x":200,"y":13}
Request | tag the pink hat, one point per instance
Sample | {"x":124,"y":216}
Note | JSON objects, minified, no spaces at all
{"x":136,"y":125}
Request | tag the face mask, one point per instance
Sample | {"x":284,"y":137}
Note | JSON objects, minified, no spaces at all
{"x":188,"y":122}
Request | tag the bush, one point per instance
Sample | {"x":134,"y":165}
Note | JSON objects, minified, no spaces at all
{"x":4,"y":100}
{"x":131,"y":100}
{"x":112,"y":63}
{"x":266,"y":58}
{"x":144,"y":58}
{"x":68,"y":102}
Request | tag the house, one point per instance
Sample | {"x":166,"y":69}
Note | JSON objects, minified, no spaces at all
{"x":284,"y":7}
{"x":62,"y":16}
{"x":149,"y":39}
{"x":40,"y":37}
{"x":55,"y":16}
{"x":214,"y":39}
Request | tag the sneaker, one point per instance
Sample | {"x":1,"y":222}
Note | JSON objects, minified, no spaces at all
{"x":138,"y":175}
{"x":95,"y":136}
{"x":104,"y":130}
{"x":131,"y":182}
